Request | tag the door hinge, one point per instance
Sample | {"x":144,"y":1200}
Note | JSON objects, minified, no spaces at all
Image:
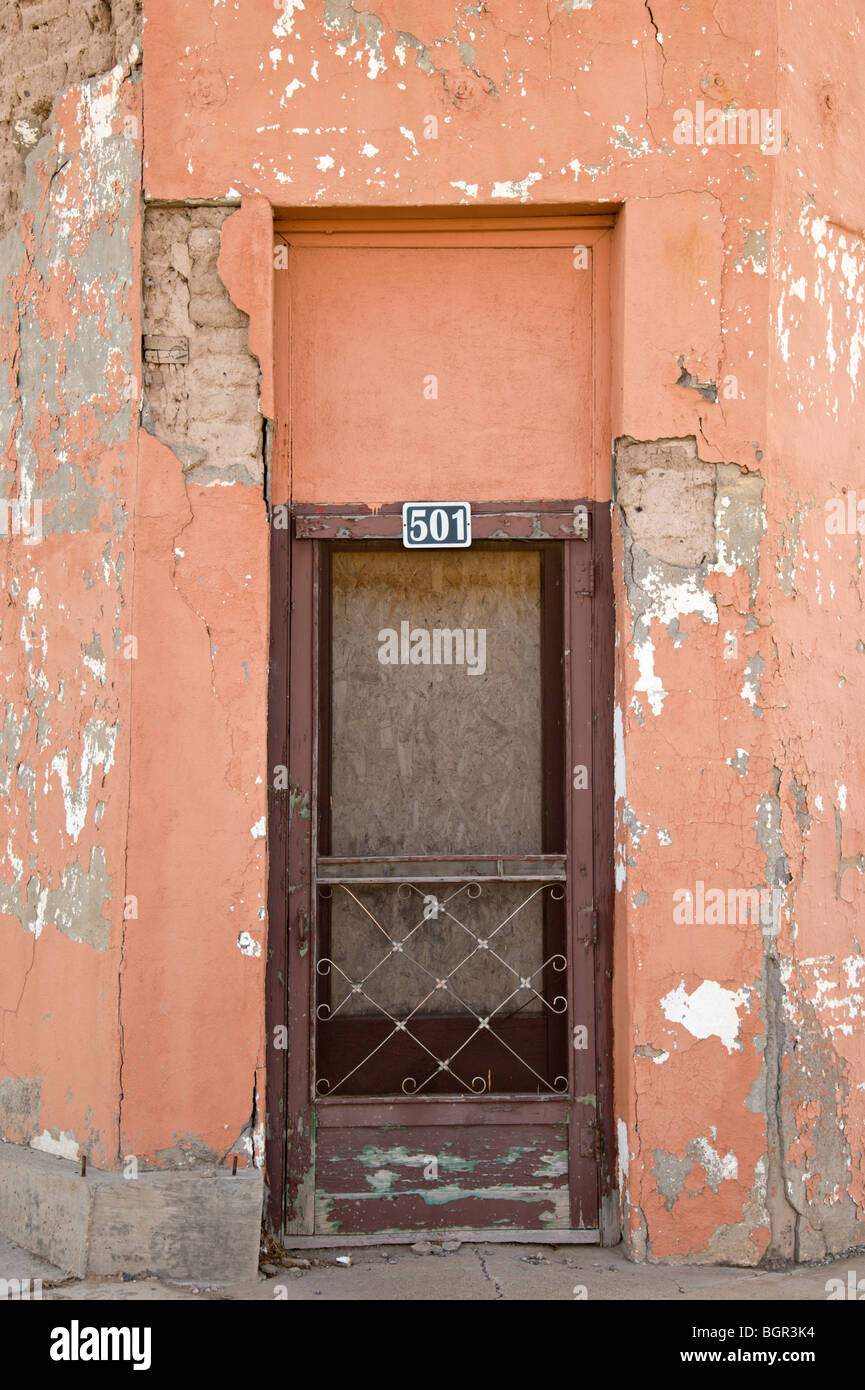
{"x":588,"y":925}
{"x":584,"y":579}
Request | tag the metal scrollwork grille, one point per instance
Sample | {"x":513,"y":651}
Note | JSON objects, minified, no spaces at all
{"x":445,"y":978}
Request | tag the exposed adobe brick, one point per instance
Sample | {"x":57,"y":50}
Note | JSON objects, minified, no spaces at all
{"x":45,"y":46}
{"x":201,"y":382}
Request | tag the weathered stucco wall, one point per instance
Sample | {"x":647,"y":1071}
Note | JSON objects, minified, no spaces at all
{"x":126,"y":923}
{"x":46,"y":46}
{"x":814,"y":675}
{"x":737,"y":331}
{"x":739,"y":676}
{"x":69,"y":308}
{"x":193,"y":979}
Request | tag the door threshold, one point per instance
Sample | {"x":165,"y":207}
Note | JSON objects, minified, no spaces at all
{"x":493,"y":1236}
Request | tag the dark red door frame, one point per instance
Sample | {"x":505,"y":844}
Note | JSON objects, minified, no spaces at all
{"x":289,"y":1141}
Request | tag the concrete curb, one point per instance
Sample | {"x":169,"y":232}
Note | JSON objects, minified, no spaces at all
{"x":197,"y":1226}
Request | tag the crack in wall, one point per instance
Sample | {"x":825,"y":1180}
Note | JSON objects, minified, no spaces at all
{"x":784,"y":1217}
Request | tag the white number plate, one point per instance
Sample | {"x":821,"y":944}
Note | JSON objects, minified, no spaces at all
{"x":436,"y":525}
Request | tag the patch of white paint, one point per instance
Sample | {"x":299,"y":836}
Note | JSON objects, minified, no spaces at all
{"x":27,"y":131}
{"x":667,"y":600}
{"x":718,"y":1167}
{"x":710,"y":1012}
{"x":516,"y":188}
{"x":64,"y":1146}
{"x":624,"y":1158}
{"x":620,"y":783}
{"x":96,"y":665}
{"x":284,"y":25}
{"x":97,"y":750}
{"x":248,"y":945}
{"x":100,"y":107}
{"x":826,"y":978}
{"x":750,"y":688}
{"x":620,"y":777}
{"x":258,"y":830}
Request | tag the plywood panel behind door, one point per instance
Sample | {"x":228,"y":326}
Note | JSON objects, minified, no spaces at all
{"x":436,"y":758}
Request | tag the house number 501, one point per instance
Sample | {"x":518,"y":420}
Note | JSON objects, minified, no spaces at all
{"x":436,"y":525}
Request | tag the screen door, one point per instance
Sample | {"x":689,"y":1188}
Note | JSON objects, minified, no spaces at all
{"x":441,"y":1068}
{"x":440,"y":945}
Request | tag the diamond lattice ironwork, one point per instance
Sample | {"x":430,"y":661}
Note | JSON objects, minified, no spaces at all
{"x":483,"y":978}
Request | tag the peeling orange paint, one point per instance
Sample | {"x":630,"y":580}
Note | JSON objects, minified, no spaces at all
{"x":736,"y":322}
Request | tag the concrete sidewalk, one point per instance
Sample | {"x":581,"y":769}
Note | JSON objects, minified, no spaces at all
{"x":470,"y":1273}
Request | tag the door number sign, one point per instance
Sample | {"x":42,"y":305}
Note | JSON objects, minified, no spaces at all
{"x":436,"y":525}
